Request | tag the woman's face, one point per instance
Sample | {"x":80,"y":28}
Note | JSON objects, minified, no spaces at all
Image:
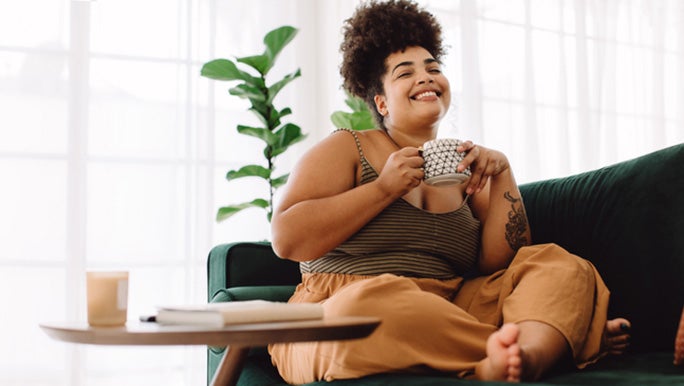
{"x":416,"y":91}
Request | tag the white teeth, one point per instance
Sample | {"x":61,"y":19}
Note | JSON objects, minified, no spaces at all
{"x":425,"y":94}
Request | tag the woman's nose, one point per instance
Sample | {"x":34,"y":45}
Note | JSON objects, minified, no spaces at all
{"x":425,"y":78}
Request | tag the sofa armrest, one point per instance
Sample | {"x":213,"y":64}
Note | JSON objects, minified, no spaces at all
{"x":247,"y":271}
{"x":274,"y":293}
{"x":248,"y":264}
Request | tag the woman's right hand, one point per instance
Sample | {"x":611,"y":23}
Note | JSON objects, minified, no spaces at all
{"x":402,"y":172}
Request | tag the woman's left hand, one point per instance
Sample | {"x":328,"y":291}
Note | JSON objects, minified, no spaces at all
{"x":483,"y":162}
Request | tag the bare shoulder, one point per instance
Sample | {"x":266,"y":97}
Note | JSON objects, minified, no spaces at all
{"x":338,"y":147}
{"x":345,"y":145}
{"x":329,"y":167}
{"x":364,"y":137}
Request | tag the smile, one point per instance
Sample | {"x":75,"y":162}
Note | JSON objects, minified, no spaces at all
{"x":426,"y":94}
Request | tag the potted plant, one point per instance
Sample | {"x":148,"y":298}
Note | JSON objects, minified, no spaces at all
{"x":276,"y":135}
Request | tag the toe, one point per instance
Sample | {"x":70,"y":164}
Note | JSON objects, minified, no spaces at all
{"x":618,"y":326}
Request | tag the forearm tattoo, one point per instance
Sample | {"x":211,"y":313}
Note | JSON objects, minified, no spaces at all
{"x":517,"y":223}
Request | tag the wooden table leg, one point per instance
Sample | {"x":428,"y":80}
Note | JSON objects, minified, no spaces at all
{"x":229,"y":369}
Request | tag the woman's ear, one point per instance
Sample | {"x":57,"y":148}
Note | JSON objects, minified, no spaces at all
{"x":380,"y":104}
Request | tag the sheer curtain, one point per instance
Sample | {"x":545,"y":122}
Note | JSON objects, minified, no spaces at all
{"x":113,"y":149}
{"x":565,"y":86}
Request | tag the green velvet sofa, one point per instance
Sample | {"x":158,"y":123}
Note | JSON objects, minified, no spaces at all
{"x":628,"y":219}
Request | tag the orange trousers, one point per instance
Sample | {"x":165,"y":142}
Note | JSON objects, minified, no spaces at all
{"x":443,"y":325}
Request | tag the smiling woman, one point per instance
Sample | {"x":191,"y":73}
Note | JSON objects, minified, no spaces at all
{"x":449,"y":269}
{"x":113,"y":148}
{"x":417,"y":74}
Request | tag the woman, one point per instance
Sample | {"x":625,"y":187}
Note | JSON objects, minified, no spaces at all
{"x":374,"y":239}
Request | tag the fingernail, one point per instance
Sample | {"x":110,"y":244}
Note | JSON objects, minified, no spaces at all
{"x":624,"y":327}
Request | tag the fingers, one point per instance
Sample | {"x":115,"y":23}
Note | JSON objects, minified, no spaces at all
{"x":481,"y":170}
{"x":483,"y":163}
{"x":402,"y":171}
{"x":411,"y":159}
{"x":415,"y":162}
{"x":412,"y":155}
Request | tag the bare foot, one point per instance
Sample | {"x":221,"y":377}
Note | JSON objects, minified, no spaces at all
{"x":504,"y":358}
{"x":616,"y":336}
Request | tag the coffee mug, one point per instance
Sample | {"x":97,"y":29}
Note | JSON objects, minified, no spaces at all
{"x":107,"y":293}
{"x":441,"y":161}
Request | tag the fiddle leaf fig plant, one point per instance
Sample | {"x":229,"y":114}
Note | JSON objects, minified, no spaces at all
{"x":276,"y":135}
{"x":360,"y":117}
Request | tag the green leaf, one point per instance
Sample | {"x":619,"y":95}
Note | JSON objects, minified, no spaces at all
{"x":355,"y":103}
{"x":247,"y":91}
{"x":260,"y":63}
{"x":224,"y":69}
{"x":284,"y":112}
{"x":360,"y":120}
{"x":276,"y":87}
{"x":261,"y":110}
{"x":259,"y":132}
{"x":249,"y":171}
{"x":273,"y":119}
{"x":287,"y":135}
{"x":280,"y":181}
{"x":341,"y":119}
{"x":275,"y":41}
{"x":260,"y":203}
{"x":228,"y":211}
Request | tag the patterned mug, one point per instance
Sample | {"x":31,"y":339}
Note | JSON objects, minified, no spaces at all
{"x":441,"y":161}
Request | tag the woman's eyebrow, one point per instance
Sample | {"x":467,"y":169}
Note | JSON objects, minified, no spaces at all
{"x":402,"y":64}
{"x":409,"y":63}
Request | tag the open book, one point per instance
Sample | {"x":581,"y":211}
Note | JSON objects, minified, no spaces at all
{"x":236,"y":312}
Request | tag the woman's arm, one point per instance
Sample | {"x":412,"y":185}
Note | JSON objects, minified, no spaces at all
{"x":321,"y":206}
{"x":498,"y":204}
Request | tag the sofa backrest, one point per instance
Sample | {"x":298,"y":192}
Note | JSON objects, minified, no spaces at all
{"x":628,"y":220}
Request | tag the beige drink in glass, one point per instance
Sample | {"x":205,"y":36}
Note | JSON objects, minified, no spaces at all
{"x":107,"y":294}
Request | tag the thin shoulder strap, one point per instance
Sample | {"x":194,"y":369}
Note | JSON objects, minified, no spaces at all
{"x":367,"y":172}
{"x":356,"y":138}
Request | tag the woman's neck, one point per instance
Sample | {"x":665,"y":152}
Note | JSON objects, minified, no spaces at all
{"x":415,"y":138}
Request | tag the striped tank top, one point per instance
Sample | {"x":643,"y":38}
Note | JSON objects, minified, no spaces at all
{"x":405,"y":240}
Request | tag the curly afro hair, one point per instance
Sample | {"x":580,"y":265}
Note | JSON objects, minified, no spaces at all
{"x":376,"y":30}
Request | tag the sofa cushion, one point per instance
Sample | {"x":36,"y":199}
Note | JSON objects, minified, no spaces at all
{"x":650,"y":369}
{"x":628,"y":219}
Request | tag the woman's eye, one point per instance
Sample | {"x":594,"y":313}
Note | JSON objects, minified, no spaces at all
{"x":435,"y":71}
{"x":404,"y":74}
